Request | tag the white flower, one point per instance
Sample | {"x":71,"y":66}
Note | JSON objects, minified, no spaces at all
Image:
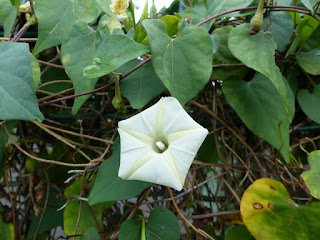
{"x":119,"y":7}
{"x":159,"y":144}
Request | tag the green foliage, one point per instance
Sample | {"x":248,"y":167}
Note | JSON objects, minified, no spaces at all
{"x":90,"y":234}
{"x":8,"y":14}
{"x":312,"y":176}
{"x":108,"y":186}
{"x":141,"y":86}
{"x":174,"y":59}
{"x":6,"y":229}
{"x":257,"y":52}
{"x":309,"y":103}
{"x":17,"y":97}
{"x":238,"y":233}
{"x":267,"y":203}
{"x":247,"y":99}
{"x":162,"y":224}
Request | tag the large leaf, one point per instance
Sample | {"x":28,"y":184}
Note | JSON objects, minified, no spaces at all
{"x":260,"y":107}
{"x":91,"y":234}
{"x":17,"y":96}
{"x":71,"y":212}
{"x":6,"y":229}
{"x":309,"y":56}
{"x":162,"y":224}
{"x":224,"y":56}
{"x":281,"y":27}
{"x":108,"y":186}
{"x":312,"y":176}
{"x":184,"y":64}
{"x":55,"y":19}
{"x":140,"y":86}
{"x":267,"y":203}
{"x":8,"y":14}
{"x":257,"y":52}
{"x":309,"y":102}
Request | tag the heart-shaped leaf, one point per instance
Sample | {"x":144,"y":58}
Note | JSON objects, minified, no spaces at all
{"x":184,"y":64}
{"x":8,"y":14}
{"x":269,"y":213}
{"x":257,"y":52}
{"x":247,"y":99}
{"x":312,"y":177}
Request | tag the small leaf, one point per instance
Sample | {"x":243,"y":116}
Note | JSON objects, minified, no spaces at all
{"x":141,"y":86}
{"x":35,"y":72}
{"x":130,"y":230}
{"x":8,"y":14}
{"x":208,"y":152}
{"x":259,"y":106}
{"x":184,"y":64}
{"x":267,"y":203}
{"x":257,"y":52}
{"x":108,"y":186}
{"x":3,"y":141}
{"x":55,"y":24}
{"x":312,"y":176}
{"x":162,"y":224}
{"x":17,"y":95}
{"x":173,"y":24}
{"x":309,"y":102}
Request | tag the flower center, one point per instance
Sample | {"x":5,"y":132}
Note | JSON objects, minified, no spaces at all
{"x":160,"y":145}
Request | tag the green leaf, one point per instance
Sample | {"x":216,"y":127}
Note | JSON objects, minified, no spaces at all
{"x":130,"y":230}
{"x":6,"y":229}
{"x":17,"y":96}
{"x":215,"y":42}
{"x":113,"y":52}
{"x":309,"y":4}
{"x":91,"y":234}
{"x":55,"y":24}
{"x":257,"y":52}
{"x":184,"y":64}
{"x":8,"y":14}
{"x":267,"y":203}
{"x":71,"y":212}
{"x":303,"y":32}
{"x":35,"y":72}
{"x":281,"y":27}
{"x":77,"y":51}
{"x":309,"y":56}
{"x":172,"y":24}
{"x":238,"y":233}
{"x":309,"y":102}
{"x":140,"y":86}
{"x":312,"y":176}
{"x":51,"y":219}
{"x":108,"y":186}
{"x":3,"y":141}
{"x":105,"y":6}
{"x":162,"y":224}
{"x":224,"y":56}
{"x":208,"y":152}
{"x":260,"y":107}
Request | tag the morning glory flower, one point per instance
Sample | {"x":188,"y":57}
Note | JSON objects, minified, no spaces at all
{"x":159,"y":144}
{"x":119,"y":7}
